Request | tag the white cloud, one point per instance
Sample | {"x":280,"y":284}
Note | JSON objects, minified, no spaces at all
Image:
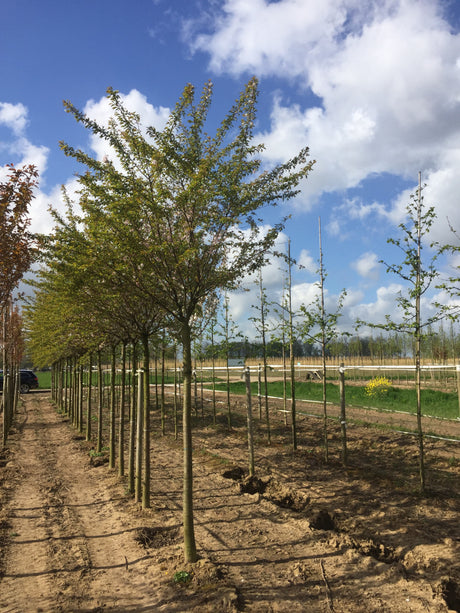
{"x":18,"y":148}
{"x":30,"y":154}
{"x":13,"y":116}
{"x":367,"y":265}
{"x":374,"y":312}
{"x":304,"y":294}
{"x":387,"y":74}
{"x":41,"y":219}
{"x":269,"y":38}
{"x":356,"y":209}
{"x":306,"y":261}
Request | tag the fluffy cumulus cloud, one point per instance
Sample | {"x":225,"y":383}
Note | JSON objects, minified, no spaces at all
{"x":384,"y":304}
{"x":13,"y":116}
{"x":16,"y":148}
{"x":15,"y":144}
{"x":42,"y":220}
{"x":266,"y":38}
{"x":386,"y":74}
{"x":367,"y":266}
{"x":307,"y":262}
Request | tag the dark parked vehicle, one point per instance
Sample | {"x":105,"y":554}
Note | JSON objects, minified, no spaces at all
{"x":29,"y":381}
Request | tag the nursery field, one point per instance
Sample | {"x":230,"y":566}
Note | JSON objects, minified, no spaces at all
{"x":301,"y":536}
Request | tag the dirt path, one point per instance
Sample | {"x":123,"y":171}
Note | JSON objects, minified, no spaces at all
{"x":70,"y":549}
{"x":303,"y":536}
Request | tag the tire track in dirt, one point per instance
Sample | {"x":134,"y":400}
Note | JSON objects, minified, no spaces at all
{"x":68,"y":543}
{"x":28,"y":575}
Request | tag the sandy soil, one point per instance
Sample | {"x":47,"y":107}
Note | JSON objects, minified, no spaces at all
{"x":302,"y":536}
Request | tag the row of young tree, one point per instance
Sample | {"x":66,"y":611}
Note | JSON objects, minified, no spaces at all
{"x":165,"y":223}
{"x":167,"y":220}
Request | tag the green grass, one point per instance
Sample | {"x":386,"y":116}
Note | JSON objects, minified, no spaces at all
{"x":435,"y":403}
{"x":44,"y":379}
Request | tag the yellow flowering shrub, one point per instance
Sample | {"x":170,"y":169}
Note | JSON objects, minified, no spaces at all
{"x":377,"y":387}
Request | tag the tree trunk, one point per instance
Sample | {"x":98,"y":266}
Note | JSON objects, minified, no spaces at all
{"x":89,"y":398}
{"x":249,"y":417}
{"x":5,"y":378}
{"x":140,"y":420}
{"x":80,"y":399}
{"x":112,"y":409}
{"x":146,"y":426}
{"x":213,"y":375}
{"x":175,"y":394}
{"x":132,"y":423}
{"x":121,"y":429}
{"x":291,"y":355}
{"x":264,"y":356}
{"x":163,"y":407}
{"x":343,"y":421}
{"x":189,"y":532}
{"x":100,"y":399}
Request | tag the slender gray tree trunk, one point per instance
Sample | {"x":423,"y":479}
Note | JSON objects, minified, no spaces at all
{"x":343,"y":420}
{"x":146,"y":426}
{"x":132,"y":423}
{"x":189,"y":530}
{"x":100,"y":402}
{"x":89,"y":398}
{"x":291,"y":353}
{"x":249,"y":419}
{"x":112,"y":442}
{"x":121,"y":429}
{"x":139,"y":424}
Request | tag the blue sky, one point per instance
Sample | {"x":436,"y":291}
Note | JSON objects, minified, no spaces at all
{"x":371,"y":86}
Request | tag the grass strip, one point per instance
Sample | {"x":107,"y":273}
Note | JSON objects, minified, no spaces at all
{"x":434,"y":403}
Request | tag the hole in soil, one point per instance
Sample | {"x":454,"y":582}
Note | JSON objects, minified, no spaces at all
{"x":286,"y":498}
{"x":375,"y":550}
{"x":323,"y":521}
{"x":236,"y":473}
{"x":98,"y":460}
{"x":157,"y":537}
{"x":450,"y":592}
{"x":253,"y":485}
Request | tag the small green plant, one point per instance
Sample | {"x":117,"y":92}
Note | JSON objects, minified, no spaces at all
{"x":182,"y":576}
{"x":377,"y":387}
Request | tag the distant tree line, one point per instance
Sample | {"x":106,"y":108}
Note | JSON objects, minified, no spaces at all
{"x":437,"y":347}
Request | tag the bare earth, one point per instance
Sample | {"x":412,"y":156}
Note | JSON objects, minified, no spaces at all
{"x":303,"y":536}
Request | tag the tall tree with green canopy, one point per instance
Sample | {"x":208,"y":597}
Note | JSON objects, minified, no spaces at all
{"x":190,"y":204}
